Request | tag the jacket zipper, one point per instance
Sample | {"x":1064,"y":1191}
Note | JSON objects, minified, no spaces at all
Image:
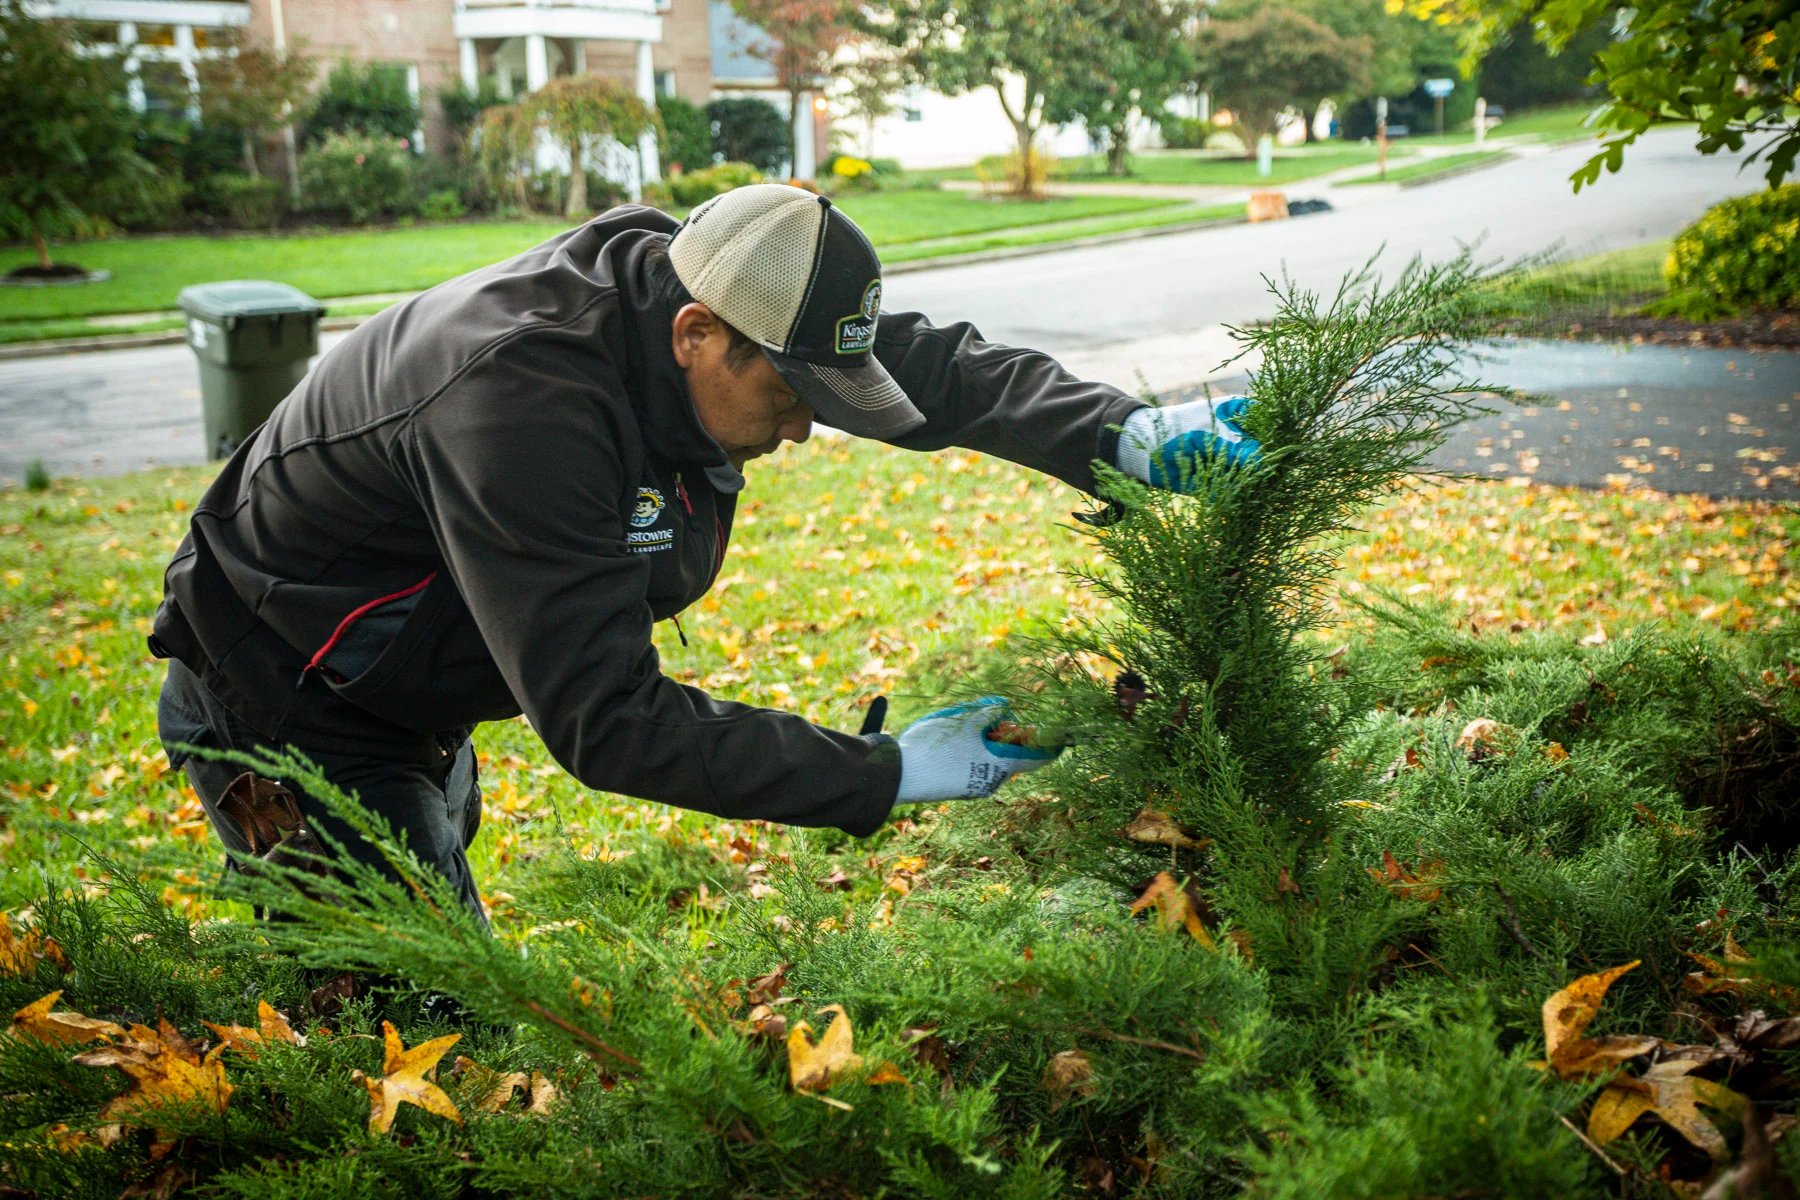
{"x":718,"y":559}
{"x":316,"y":663}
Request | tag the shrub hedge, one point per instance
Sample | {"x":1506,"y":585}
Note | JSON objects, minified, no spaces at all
{"x":1742,"y":253}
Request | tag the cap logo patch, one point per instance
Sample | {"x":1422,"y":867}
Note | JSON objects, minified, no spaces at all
{"x":856,"y":332}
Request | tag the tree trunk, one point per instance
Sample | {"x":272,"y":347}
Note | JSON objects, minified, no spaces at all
{"x":37,"y":241}
{"x":1118,"y":149}
{"x":1026,"y":133}
{"x":250,"y":157}
{"x":578,"y":197}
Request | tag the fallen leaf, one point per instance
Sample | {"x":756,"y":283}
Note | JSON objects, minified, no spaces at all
{"x":544,"y":1095}
{"x":271,"y":1027}
{"x":493,"y":1089}
{"x":1567,"y":1015}
{"x":814,"y":1067}
{"x":766,"y":989}
{"x":1174,"y":908}
{"x":887,"y":1073}
{"x":1668,"y":1091}
{"x":164,"y":1068}
{"x":71,"y":1141}
{"x":1154,"y":825}
{"x":62,"y":1028}
{"x":1480,"y":738}
{"x":1407,"y":883}
{"x":403,"y":1080}
{"x":1068,"y":1074}
{"x":21,"y":955}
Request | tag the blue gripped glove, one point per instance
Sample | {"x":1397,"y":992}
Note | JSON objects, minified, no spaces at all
{"x":947,"y":755}
{"x":1156,"y":444}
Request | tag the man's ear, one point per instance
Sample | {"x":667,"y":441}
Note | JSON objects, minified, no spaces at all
{"x":694,"y":323}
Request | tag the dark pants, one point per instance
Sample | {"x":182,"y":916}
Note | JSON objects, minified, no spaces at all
{"x":436,"y":808}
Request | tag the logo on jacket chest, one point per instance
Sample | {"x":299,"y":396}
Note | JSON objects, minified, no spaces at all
{"x":643,"y":537}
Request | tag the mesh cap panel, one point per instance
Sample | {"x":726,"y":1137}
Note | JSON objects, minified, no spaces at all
{"x":748,"y":255}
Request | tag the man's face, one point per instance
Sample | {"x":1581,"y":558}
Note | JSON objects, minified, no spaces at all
{"x":748,"y":410}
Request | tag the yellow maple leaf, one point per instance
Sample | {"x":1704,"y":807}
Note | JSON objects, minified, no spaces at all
{"x":63,"y":1028}
{"x":403,"y":1080}
{"x":164,"y":1068}
{"x":1671,"y":1093}
{"x":814,"y":1067}
{"x":1567,"y":1015}
{"x":271,"y":1027}
{"x":1174,"y":909}
{"x":20,"y":955}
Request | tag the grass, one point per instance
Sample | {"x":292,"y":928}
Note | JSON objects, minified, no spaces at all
{"x":149,"y":272}
{"x":1550,"y":123}
{"x":856,"y":570}
{"x":1615,"y":283}
{"x":1426,"y":168}
{"x":1167,"y":215}
{"x":1202,"y":168}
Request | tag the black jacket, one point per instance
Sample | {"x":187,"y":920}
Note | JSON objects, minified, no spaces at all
{"x":478,"y":503}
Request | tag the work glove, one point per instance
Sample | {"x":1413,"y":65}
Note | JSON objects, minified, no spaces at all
{"x":949,"y":755}
{"x":1158,"y":446}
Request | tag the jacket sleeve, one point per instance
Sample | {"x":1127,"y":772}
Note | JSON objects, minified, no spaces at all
{"x":1015,"y":404}
{"x":520,"y":475}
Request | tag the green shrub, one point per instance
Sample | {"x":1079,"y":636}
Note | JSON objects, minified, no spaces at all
{"x":687,"y":142}
{"x":747,"y":130}
{"x":443,"y":205}
{"x":658,"y":194}
{"x":369,"y":99}
{"x":248,"y":202}
{"x":358,"y":177}
{"x":1742,"y":253}
{"x":1183,"y":133}
{"x":696,"y":186}
{"x":151,"y":205}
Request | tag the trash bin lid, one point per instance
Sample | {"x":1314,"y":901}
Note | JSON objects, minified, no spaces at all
{"x":245,"y":298}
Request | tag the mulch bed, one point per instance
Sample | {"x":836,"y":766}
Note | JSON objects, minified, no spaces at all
{"x":1751,"y":331}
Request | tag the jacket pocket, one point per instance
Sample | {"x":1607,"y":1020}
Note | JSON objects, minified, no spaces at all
{"x":416,"y":659}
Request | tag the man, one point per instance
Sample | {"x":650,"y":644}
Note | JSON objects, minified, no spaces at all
{"x":478,"y":504}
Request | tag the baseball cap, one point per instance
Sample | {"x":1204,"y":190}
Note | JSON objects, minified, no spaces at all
{"x":796,"y":276}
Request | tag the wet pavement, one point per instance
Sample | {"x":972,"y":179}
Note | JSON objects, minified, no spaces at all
{"x":1720,"y":423}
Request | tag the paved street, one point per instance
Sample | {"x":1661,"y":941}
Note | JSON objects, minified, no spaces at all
{"x":1151,"y":313}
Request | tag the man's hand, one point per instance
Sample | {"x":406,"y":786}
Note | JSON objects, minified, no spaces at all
{"x":951,"y":754}
{"x":1158,"y":445}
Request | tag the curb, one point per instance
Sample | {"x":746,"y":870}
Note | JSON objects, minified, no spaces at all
{"x":1505,"y":156}
{"x":172,"y":337}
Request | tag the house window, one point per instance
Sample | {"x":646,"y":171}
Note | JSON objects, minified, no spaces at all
{"x":156,"y":35}
{"x":665,"y":83}
{"x":165,"y":87}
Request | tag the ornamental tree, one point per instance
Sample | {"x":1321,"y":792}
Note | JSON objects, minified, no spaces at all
{"x":580,"y":110}
{"x":68,"y":133}
{"x":1139,"y":61}
{"x":254,"y":89}
{"x":800,"y":40}
{"x":1257,"y":63}
{"x":1732,"y":67}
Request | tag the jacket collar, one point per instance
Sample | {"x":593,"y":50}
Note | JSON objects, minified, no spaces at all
{"x":657,"y":388}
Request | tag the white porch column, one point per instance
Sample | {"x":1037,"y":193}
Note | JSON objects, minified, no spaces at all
{"x":805,"y":163}
{"x":650,"y":166}
{"x":134,"y":83}
{"x":471,"y":69}
{"x":537,"y":61}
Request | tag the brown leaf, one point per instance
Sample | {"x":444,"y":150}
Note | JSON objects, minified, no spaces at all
{"x":1757,"y":1031}
{"x":544,"y":1095}
{"x":1284,"y":883}
{"x":21,"y":955}
{"x":814,"y":1067}
{"x":403,"y":1079}
{"x":764,"y":1021}
{"x":1068,"y":1074}
{"x":1668,"y":1091}
{"x":70,"y":1141}
{"x":1174,"y":907}
{"x":765,"y":989}
{"x":836,"y":880}
{"x":1406,"y":883}
{"x":887,"y":1073}
{"x":493,"y":1089}
{"x":161,"y":1186}
{"x":164,"y":1067}
{"x":1567,"y":1015}
{"x":36,"y":1020}
{"x":272,"y":1027}
{"x":1480,"y":738}
{"x":1154,"y":825}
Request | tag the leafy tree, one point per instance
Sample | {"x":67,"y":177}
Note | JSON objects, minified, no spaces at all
{"x":501,"y":146}
{"x":687,"y":134}
{"x":580,"y":110}
{"x":253,"y":90}
{"x":1270,"y":59}
{"x":463,"y":106}
{"x":1732,"y":67}
{"x":1025,"y":50}
{"x":866,"y":86}
{"x":1139,"y":61}
{"x":802,"y":37}
{"x":66,"y":146}
{"x":368,"y":98}
{"x":1399,"y":46}
{"x":1519,"y":71}
{"x":745,"y":129}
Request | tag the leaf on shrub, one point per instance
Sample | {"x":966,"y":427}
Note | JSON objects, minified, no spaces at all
{"x":493,"y":1089}
{"x":1567,"y":1015}
{"x":886,"y":1073}
{"x":73,"y":1141}
{"x":1069,"y":1073}
{"x":1480,"y":739}
{"x":1672,"y":1094}
{"x":164,"y":1068}
{"x":1175,"y":908}
{"x":1405,"y":882}
{"x":21,"y":955}
{"x":766,"y":989}
{"x":62,"y":1028}
{"x":544,"y":1095}
{"x":1154,"y":825}
{"x":271,"y":1027}
{"x":403,"y":1080}
{"x":813,"y":1067}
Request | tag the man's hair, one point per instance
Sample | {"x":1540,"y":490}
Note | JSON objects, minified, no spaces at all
{"x":666,"y":287}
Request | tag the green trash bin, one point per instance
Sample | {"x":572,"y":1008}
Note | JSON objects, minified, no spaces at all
{"x":254,"y":340}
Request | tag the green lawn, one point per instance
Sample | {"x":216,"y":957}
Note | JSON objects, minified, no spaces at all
{"x":1554,"y":122}
{"x":1616,"y":282}
{"x":149,"y":272}
{"x":1207,"y":167}
{"x":1425,"y":168}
